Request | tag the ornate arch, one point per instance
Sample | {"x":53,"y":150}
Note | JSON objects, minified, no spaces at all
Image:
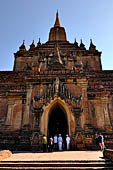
{"x":47,"y":111}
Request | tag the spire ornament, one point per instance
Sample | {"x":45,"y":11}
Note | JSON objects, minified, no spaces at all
{"x":57,"y":22}
{"x":75,"y":43}
{"x":32,"y":46}
{"x":22,"y":47}
{"x":82,"y":46}
{"x":92,"y":46}
{"x":39,"y":43}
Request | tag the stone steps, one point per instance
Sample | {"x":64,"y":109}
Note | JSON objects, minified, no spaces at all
{"x":56,"y":165}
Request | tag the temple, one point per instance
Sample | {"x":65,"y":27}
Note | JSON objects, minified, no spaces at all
{"x":56,"y":87}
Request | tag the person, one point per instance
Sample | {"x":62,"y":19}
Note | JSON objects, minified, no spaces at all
{"x":55,"y":142}
{"x":51,"y":144}
{"x":67,"y":142}
{"x":101,"y":142}
{"x":60,"y":142}
{"x":44,"y":141}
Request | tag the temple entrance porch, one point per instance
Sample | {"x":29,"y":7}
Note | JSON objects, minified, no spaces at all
{"x":57,"y":123}
{"x":58,"y":119}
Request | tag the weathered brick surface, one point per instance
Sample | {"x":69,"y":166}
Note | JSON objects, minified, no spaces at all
{"x":3,"y":107}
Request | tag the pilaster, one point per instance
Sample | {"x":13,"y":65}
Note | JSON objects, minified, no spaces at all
{"x":9,"y":113}
{"x":105,"y":106}
{"x":12,"y":102}
{"x":83,"y":83}
{"x":26,"y":120}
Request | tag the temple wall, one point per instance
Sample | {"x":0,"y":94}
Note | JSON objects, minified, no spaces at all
{"x":100,"y":113}
{"x":92,"y":111}
{"x":99,"y":116}
{"x":17,"y":116}
{"x":93,"y":62}
{"x":85,"y":119}
{"x":3,"y":107}
{"x":111,"y":109}
{"x":74,"y":89}
{"x":97,"y":112}
{"x":20,"y":63}
{"x":14,"y":113}
{"x":38,"y":90}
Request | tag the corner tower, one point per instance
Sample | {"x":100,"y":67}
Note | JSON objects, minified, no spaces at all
{"x":57,"y":33}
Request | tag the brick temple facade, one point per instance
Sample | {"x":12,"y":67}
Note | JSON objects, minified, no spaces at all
{"x":56,"y":87}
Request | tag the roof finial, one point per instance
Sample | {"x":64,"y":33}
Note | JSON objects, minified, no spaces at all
{"x":82,"y":45}
{"x":39,"y":43}
{"x":75,"y":43}
{"x":57,"y":12}
{"x":91,"y":41}
{"x":23,"y":42}
{"x":57,"y":22}
{"x":92,"y":46}
{"x":32,"y":46}
{"x":22,"y":47}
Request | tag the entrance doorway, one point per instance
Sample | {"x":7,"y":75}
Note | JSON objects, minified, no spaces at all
{"x":57,"y":122}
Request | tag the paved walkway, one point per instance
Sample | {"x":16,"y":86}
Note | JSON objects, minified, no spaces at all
{"x":65,"y":155}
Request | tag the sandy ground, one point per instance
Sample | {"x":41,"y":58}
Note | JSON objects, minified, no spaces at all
{"x":66,"y":155}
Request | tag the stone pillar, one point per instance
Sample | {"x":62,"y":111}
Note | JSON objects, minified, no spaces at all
{"x":9,"y":113}
{"x":26,"y":122}
{"x":36,"y":121}
{"x":78,"y":137}
{"x":37,"y":114}
{"x":105,"y":106}
{"x":77,"y":113}
{"x":83,"y":83}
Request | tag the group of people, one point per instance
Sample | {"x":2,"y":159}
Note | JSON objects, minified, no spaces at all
{"x":55,"y":143}
{"x":58,"y":143}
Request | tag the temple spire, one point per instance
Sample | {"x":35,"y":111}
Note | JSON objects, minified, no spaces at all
{"x":57,"y":22}
{"x":57,"y":33}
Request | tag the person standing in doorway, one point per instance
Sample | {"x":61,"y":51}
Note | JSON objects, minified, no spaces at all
{"x":55,"y":142}
{"x":67,"y":142}
{"x":60,"y":142}
{"x":44,"y":141}
{"x":51,"y":144}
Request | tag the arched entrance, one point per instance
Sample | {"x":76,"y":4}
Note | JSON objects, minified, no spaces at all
{"x":57,"y":123}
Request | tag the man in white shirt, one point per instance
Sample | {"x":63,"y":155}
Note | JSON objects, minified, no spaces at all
{"x":60,"y":142}
{"x":55,"y":142}
{"x":67,"y":142}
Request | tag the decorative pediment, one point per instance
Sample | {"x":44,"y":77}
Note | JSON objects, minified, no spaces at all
{"x":57,"y":89}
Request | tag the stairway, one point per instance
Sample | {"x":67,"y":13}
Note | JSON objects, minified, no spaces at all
{"x":57,"y":165}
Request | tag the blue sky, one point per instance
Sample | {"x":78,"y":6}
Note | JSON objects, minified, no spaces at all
{"x":30,"y":19}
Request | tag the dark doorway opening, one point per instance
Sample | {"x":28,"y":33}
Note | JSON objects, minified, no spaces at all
{"x":57,"y":123}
